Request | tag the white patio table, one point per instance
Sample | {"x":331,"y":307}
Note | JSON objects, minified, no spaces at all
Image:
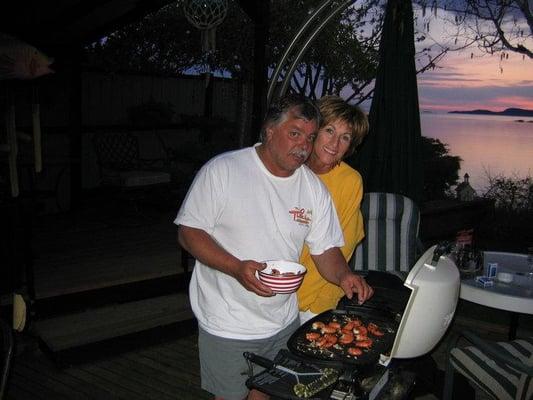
{"x":515,"y":297}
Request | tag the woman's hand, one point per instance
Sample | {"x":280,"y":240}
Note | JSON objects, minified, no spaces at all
{"x":352,"y":283}
{"x":333,"y":267}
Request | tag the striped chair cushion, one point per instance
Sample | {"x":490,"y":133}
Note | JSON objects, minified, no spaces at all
{"x":494,"y":377}
{"x":391,"y":232}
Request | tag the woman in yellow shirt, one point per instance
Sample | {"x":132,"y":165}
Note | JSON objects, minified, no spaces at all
{"x":343,"y":128}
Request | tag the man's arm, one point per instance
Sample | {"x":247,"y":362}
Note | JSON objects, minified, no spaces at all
{"x":333,"y":267}
{"x":202,"y":247}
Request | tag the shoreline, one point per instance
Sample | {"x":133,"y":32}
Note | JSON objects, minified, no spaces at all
{"x":494,"y":144}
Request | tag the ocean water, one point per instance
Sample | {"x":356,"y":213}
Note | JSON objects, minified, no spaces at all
{"x":489,"y":145}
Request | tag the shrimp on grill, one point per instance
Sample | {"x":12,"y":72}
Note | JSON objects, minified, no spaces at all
{"x":355,"y":351}
{"x":374,"y":329}
{"x":335,"y":324}
{"x":321,"y":341}
{"x":331,"y":340}
{"x":366,"y":343}
{"x":328,"y":329}
{"x":318,"y":325}
{"x":360,"y":331}
{"x":312,"y":336}
{"x":326,"y":341}
{"x":348,"y":327}
{"x":346,"y":338}
{"x":357,"y":322}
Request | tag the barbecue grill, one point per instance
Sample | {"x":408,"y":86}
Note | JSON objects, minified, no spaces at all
{"x":412,"y":315}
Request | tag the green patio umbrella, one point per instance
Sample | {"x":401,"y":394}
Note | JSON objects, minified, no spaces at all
{"x":390,"y":158}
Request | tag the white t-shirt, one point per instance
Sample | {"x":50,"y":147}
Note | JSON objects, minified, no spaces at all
{"x":253,"y":215}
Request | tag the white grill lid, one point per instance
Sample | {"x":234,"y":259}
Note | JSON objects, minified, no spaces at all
{"x":434,"y":294}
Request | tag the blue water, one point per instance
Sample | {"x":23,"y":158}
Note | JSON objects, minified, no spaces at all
{"x":488,"y":145}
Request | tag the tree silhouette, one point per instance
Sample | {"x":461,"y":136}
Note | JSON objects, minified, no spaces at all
{"x":491,"y":25}
{"x":440,"y":169}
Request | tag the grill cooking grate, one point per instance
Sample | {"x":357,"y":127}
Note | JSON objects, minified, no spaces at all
{"x":338,"y":353}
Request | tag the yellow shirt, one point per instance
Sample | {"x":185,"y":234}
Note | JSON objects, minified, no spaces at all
{"x":346,"y":188}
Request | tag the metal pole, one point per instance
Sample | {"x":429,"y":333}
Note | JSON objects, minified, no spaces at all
{"x":283,"y":58}
{"x":303,"y":49}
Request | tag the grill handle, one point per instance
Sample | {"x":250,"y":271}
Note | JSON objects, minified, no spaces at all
{"x":441,"y":249}
{"x":259,"y":360}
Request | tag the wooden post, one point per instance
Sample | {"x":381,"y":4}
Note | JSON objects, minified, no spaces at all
{"x":208,"y":95}
{"x":206,"y":132}
{"x":259,"y":12}
{"x":36,"y":127}
{"x":260,"y":69}
{"x":75,"y":128}
{"x":243,"y":112}
{"x":13,"y":148}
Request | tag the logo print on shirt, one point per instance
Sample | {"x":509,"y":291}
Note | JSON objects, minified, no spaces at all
{"x":301,"y":215}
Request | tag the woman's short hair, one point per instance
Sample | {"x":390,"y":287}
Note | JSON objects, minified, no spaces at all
{"x":278,"y":109}
{"x":334,"y":108}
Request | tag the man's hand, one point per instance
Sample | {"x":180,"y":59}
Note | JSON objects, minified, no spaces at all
{"x":352,"y":283}
{"x":245,"y":271}
{"x":202,"y":246}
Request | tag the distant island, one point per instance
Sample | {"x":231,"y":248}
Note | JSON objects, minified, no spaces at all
{"x":513,"y":112}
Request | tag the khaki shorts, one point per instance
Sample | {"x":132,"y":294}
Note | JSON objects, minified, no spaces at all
{"x":223,"y":368}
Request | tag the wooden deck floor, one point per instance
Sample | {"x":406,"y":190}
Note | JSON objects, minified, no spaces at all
{"x":97,"y":251}
{"x":159,"y":368}
{"x":162,"y":371}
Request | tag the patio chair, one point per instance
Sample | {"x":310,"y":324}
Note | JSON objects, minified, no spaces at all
{"x":6,"y":339}
{"x":122,"y":169}
{"x":391,"y":240}
{"x":120,"y":164}
{"x":503,"y":370}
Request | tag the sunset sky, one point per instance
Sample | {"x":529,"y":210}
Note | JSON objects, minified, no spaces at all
{"x":465,"y":83}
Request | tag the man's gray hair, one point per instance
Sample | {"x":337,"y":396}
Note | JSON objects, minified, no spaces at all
{"x":278,"y":109}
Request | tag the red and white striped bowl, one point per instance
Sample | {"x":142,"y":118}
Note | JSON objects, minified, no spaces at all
{"x":282,"y":276}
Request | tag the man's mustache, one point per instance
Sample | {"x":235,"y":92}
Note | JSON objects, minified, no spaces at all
{"x":300,"y":153}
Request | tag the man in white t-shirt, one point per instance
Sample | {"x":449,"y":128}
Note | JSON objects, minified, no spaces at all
{"x":246,"y":207}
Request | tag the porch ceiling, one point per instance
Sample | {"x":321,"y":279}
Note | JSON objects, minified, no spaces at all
{"x":65,"y":23}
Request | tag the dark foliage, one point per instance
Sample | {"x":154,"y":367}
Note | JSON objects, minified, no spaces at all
{"x":511,"y":194}
{"x":440,"y":169}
